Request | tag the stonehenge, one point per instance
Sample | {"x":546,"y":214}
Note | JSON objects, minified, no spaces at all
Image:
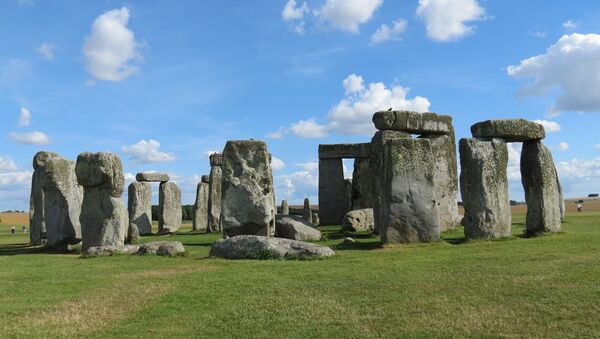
{"x":201,"y":205}
{"x":214,"y":193}
{"x":359,"y":220}
{"x":285,"y":209}
{"x":139,"y":205}
{"x":306,"y":211}
{"x":169,"y":208}
{"x":247,"y":201}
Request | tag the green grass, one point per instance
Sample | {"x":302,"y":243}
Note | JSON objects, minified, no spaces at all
{"x":547,"y":286}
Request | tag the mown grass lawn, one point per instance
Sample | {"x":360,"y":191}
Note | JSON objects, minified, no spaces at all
{"x":521,"y":287}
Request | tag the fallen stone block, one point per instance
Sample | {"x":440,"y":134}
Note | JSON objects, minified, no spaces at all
{"x":259,"y":247}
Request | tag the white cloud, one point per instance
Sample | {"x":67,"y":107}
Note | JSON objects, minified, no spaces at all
{"x":563,"y":146}
{"x":46,"y":50}
{"x":570,"y":24}
{"x":445,"y":20}
{"x":571,"y":65}
{"x":24,"y":117}
{"x":278,"y":134}
{"x":385,"y":32}
{"x":347,"y":15}
{"x":147,"y":152}
{"x":7,"y":164}
{"x":277,"y":164}
{"x":111,"y":48}
{"x":353,"y":84}
{"x":309,"y":129}
{"x":298,"y":185}
{"x":308,"y":166}
{"x":15,"y":188}
{"x":293,"y":12}
{"x":31,"y":138}
{"x":549,"y":126}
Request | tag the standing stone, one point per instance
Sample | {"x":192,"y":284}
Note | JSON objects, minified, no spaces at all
{"x":285,"y":209}
{"x":104,"y":219}
{"x":445,"y":178}
{"x":542,"y":188}
{"x":214,"y":193}
{"x":408,"y":203}
{"x":332,"y":201}
{"x":347,"y":195}
{"x":306,"y":211}
{"x":484,"y":188}
{"x":248,"y":205}
{"x":362,"y":195}
{"x":37,"y":223}
{"x":139,"y":205}
{"x":169,"y":208}
{"x":377,"y":163}
{"x":201,"y":205}
{"x":315,"y":219}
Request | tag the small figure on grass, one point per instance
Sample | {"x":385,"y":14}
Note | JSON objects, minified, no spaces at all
{"x":12,"y":230}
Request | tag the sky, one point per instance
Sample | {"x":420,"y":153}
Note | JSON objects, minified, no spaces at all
{"x":163,"y":84}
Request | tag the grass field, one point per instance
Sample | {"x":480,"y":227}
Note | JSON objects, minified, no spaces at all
{"x":520,"y":287}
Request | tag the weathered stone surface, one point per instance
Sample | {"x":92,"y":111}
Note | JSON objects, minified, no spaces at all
{"x":445,"y":178}
{"x":413,"y":122}
{"x":248,"y":201}
{"x":152,"y":177}
{"x":408,"y":204}
{"x":332,"y":200}
{"x":347,"y":195}
{"x":315,"y":219}
{"x":201,"y":207}
{"x":139,"y":205}
{"x":359,"y":220}
{"x":169,"y":208}
{"x":484,"y":188}
{"x":295,"y":227}
{"x":285,"y":209}
{"x":377,"y":163}
{"x":104,"y":219}
{"x":111,"y":250}
{"x":511,"y":130}
{"x":542,"y":188}
{"x":205,"y":179}
{"x":306,"y":211}
{"x":163,"y":248}
{"x":214,"y":193}
{"x":259,"y":247}
{"x":339,"y":151}
{"x":362,"y":194}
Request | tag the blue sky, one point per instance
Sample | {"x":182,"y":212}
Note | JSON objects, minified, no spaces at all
{"x":165,"y":83}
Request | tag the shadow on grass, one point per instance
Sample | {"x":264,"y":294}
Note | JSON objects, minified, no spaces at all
{"x":26,"y":248}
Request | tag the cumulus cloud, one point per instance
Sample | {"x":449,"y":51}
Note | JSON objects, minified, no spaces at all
{"x":549,"y":126}
{"x":147,"y":152}
{"x":347,"y":15}
{"x":277,"y":164}
{"x":571,"y":65}
{"x":353,"y":84}
{"x":298,"y":185}
{"x":309,"y":129}
{"x":111,"y":49}
{"x":7,"y":164}
{"x":563,"y":146}
{"x":446,"y":20}
{"x":295,"y":14}
{"x":30,"y":138}
{"x":46,"y":50}
{"x":24,"y":117}
{"x":393,"y":32}
{"x":14,"y":189}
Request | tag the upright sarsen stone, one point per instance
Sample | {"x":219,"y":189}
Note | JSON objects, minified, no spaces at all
{"x":409,"y":208}
{"x":542,"y":188}
{"x":201,"y":205}
{"x":248,"y":205}
{"x":214,"y":193}
{"x":104,"y":219}
{"x":169,"y":208}
{"x":37,"y":224}
{"x":332,"y":198}
{"x":362,"y":194}
{"x":484,"y":188}
{"x":139,"y":205}
{"x":285,"y":208}
{"x":306,"y":211}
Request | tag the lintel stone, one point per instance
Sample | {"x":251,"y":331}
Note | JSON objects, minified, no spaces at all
{"x":413,"y":122}
{"x":510,"y":130}
{"x":339,"y":151}
{"x":152,"y":177}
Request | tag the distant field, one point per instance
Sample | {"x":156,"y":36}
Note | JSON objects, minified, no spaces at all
{"x":16,"y":219}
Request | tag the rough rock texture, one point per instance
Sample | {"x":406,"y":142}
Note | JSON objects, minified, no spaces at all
{"x":445,"y":178}
{"x":214,"y":193}
{"x":164,"y":248}
{"x":377,"y":163}
{"x":408,"y":204}
{"x":359,"y":220}
{"x":413,"y":122}
{"x":484,"y":188}
{"x":315,"y":219}
{"x":362,"y":194}
{"x":104,"y":219}
{"x":259,"y":247}
{"x":37,"y":223}
{"x":139,"y":205}
{"x":306,"y":211}
{"x":511,"y":130}
{"x":152,"y":177}
{"x":340,"y":151}
{"x":295,"y":227}
{"x":285,"y":209}
{"x":248,"y":201}
{"x":169,"y":208}
{"x":542,"y":188}
{"x":332,"y":201}
{"x":201,"y":207}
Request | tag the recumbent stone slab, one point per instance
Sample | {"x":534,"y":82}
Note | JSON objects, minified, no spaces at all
{"x":259,"y":247}
{"x":295,"y":227}
{"x":359,"y":220}
{"x":510,"y":130}
{"x":152,"y":177}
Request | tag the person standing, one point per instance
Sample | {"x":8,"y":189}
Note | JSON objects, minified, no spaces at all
{"x":12,"y":230}
{"x":579,"y":207}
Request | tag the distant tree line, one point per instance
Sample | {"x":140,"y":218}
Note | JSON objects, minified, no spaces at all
{"x":187,"y":212}
{"x":593,"y":195}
